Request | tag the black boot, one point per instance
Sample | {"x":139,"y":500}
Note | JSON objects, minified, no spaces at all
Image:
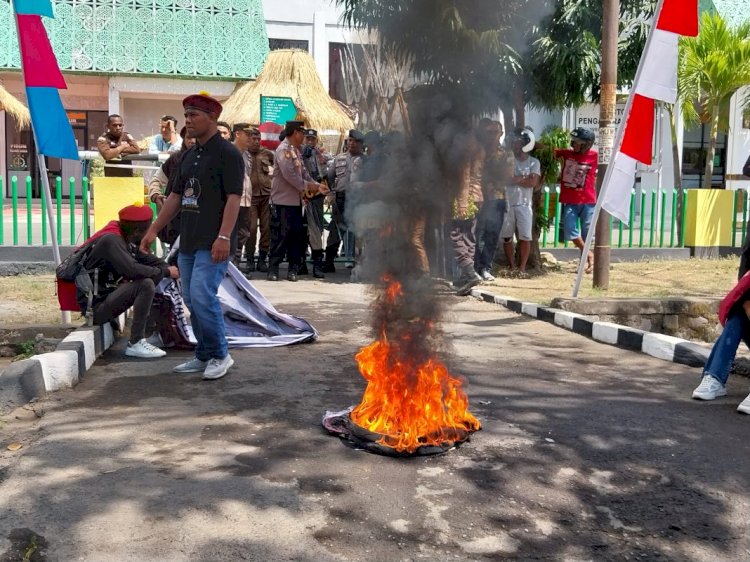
{"x":469,"y":279}
{"x":263,"y":263}
{"x":292,"y":274}
{"x":303,"y":268}
{"x":318,"y":272}
{"x":249,"y":264}
{"x":328,"y":266}
{"x":273,"y":273}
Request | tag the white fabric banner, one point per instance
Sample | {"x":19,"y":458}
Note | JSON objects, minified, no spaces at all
{"x":658,"y":79}
{"x":617,"y":198}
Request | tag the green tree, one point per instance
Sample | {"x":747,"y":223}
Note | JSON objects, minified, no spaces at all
{"x":713,"y":66}
{"x":565,"y":56}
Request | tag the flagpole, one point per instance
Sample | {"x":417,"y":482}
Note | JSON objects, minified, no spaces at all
{"x":610,"y":167}
{"x":45,"y":179}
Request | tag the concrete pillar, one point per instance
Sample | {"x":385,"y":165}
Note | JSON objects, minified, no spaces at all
{"x":115,"y":104}
{"x":320,"y":50}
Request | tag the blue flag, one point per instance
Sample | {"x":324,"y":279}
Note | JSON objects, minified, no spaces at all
{"x":34,"y":7}
{"x":54,"y":136}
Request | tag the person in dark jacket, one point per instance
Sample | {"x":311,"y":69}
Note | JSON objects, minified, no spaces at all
{"x":124,"y":277}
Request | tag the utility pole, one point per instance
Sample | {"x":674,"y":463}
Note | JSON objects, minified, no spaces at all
{"x":607,"y":108}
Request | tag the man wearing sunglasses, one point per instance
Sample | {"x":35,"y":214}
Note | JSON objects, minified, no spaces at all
{"x":578,"y":188}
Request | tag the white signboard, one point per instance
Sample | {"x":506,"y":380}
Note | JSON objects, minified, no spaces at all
{"x":587,"y":116}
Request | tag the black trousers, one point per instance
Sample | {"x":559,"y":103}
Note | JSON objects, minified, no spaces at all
{"x":138,"y":294}
{"x":286,"y":236}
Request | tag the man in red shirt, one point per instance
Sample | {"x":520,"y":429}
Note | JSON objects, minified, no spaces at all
{"x":578,"y":188}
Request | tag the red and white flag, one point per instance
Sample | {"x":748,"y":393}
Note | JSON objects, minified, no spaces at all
{"x":656,"y":80}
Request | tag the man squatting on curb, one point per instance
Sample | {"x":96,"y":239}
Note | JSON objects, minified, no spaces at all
{"x":207,"y":188}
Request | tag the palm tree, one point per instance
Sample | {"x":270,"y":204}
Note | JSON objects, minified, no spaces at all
{"x":713,"y":66}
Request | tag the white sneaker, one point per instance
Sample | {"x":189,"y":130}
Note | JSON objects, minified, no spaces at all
{"x":155,"y":340}
{"x":144,"y":350}
{"x":195,"y":365}
{"x":217,"y":368}
{"x":744,"y":407}
{"x":710,"y":388}
{"x":486,"y":275}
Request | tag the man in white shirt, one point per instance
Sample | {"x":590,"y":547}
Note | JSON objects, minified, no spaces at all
{"x":519,"y":214}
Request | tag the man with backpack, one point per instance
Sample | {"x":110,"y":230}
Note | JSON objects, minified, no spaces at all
{"x":122,"y":276}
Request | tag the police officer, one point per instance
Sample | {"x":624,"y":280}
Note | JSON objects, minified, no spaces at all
{"x":345,"y":165}
{"x":318,"y":170}
{"x":291,"y":182}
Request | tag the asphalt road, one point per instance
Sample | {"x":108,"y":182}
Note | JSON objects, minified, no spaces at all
{"x":588,"y":452}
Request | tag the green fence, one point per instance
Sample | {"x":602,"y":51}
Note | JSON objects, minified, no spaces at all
{"x":74,"y":214}
{"x":652,"y":222}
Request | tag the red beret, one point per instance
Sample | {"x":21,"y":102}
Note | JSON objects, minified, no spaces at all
{"x":136,"y":213}
{"x":202,"y":102}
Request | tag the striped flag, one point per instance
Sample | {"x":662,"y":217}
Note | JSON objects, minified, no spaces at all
{"x":656,"y":80}
{"x":52,"y":131}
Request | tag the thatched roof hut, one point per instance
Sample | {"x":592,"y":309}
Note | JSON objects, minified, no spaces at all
{"x":14,"y":107}
{"x":288,"y":73}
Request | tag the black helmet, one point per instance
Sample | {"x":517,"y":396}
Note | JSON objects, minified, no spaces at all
{"x":583,"y":134}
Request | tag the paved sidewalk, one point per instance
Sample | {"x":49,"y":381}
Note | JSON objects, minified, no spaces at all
{"x":588,"y":452}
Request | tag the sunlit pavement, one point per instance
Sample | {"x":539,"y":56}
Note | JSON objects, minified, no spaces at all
{"x":587,"y":452}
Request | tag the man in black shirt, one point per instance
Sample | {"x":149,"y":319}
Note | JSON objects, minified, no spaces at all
{"x":207,"y":188}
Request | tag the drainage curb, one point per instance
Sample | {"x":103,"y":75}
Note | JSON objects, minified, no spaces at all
{"x":668,"y":348}
{"x":35,"y":377}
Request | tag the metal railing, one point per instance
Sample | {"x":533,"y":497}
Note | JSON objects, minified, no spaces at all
{"x":652,"y":221}
{"x":72,"y":217}
{"x":652,"y":218}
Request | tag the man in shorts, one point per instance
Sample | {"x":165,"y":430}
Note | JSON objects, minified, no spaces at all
{"x":519,"y":214}
{"x":578,"y":188}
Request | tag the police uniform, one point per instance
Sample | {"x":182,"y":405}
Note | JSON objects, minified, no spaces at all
{"x":289,"y":182}
{"x":340,"y":174}
{"x":314,"y":208}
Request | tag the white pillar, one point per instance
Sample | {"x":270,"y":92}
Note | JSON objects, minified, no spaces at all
{"x":320,"y":47}
{"x":114,"y":99}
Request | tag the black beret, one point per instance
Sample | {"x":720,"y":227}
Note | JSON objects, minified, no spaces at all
{"x":292,"y":126}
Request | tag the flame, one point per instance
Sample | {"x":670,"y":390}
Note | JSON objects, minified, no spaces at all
{"x":410,"y":402}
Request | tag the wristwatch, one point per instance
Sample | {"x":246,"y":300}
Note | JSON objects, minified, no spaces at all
{"x":222,"y":237}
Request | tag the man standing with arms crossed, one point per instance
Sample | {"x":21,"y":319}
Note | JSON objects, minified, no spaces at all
{"x":207,"y":188}
{"x":113,"y":144}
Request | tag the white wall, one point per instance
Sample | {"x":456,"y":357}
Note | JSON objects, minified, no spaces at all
{"x":738,"y":148}
{"x":314,"y":21}
{"x":141,"y":101}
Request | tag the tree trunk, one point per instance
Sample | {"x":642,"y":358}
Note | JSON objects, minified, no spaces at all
{"x":709,"y":171}
{"x":519,"y":106}
{"x":508,"y":123}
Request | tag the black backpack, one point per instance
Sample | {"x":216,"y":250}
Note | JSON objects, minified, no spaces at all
{"x":72,"y":270}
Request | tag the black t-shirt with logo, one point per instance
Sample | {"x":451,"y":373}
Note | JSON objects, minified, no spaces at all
{"x":207,"y":174}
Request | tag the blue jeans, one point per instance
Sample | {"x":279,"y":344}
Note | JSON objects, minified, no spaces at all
{"x":571,"y":213}
{"x":200,"y":284}
{"x":489,"y":225}
{"x":722,"y":353}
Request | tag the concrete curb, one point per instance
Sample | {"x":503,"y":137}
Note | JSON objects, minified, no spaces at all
{"x":668,"y":348}
{"x":33,"y":378}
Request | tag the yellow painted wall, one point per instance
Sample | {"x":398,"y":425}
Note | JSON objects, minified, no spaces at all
{"x":111,"y":195}
{"x":709,"y":217}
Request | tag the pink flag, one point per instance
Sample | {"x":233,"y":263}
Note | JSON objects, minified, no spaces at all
{"x":37,"y":58}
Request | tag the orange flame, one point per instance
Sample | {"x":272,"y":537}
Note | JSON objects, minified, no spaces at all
{"x":409,"y":403}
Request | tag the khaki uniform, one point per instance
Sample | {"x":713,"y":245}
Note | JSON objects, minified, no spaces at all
{"x":255,"y":206}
